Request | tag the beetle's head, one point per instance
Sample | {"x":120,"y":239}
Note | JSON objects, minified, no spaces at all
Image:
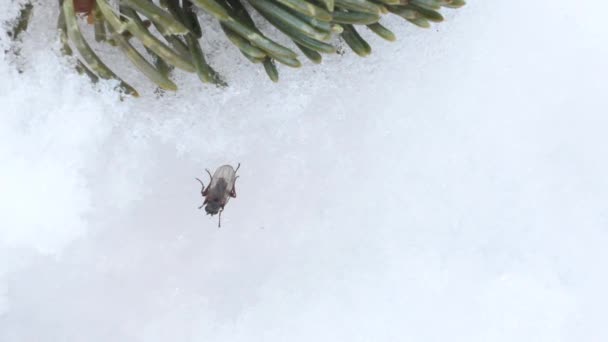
{"x":213,"y":206}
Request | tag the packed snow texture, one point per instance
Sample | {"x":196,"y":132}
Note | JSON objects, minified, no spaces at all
{"x":450,"y":187}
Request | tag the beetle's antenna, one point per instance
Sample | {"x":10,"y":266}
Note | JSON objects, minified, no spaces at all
{"x":203,"y":189}
{"x":237,"y":167}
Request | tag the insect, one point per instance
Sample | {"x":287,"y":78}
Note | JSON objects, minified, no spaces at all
{"x":84,"y":6}
{"x":87,"y":8}
{"x":221,"y":187}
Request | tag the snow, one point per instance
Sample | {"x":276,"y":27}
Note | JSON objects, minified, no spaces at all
{"x":450,"y":187}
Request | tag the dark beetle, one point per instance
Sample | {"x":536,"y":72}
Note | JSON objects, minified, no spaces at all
{"x":221,"y":187}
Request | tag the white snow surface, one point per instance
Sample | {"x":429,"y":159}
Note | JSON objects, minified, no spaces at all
{"x":450,"y":187}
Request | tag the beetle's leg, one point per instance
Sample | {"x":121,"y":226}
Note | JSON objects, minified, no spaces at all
{"x":203,"y":188}
{"x":210,"y":176}
{"x":233,"y":191}
{"x":219,"y":219}
{"x":210,"y":180}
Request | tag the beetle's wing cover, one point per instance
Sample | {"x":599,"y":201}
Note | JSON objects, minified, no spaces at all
{"x":227,"y":173}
